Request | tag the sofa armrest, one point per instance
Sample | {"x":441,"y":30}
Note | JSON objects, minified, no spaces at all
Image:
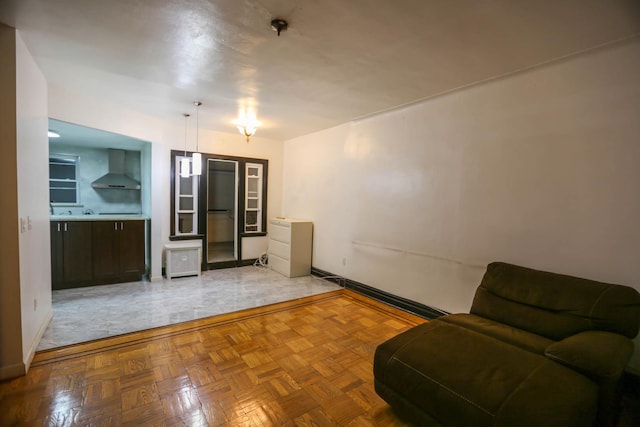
{"x":600,"y":355}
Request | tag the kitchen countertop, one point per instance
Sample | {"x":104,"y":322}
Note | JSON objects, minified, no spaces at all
{"x":114,"y":217}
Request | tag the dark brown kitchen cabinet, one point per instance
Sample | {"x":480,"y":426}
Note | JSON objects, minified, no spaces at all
{"x":71,"y":254}
{"x":87,"y":253}
{"x":118,"y":251}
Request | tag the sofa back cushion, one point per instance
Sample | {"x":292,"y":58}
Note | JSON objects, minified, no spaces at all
{"x":555,"y":305}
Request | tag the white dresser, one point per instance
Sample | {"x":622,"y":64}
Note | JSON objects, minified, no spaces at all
{"x":290,"y":243}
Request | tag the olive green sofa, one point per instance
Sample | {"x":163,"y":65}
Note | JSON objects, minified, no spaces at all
{"x":536,"y":349}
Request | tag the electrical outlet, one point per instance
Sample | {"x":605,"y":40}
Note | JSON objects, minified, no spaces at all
{"x":35,"y":304}
{"x":23,"y":225}
{"x":344,"y":261}
{"x":28,"y":222}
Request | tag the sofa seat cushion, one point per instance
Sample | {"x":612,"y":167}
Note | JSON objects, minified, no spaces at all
{"x":527,"y":340}
{"x":462,"y":377}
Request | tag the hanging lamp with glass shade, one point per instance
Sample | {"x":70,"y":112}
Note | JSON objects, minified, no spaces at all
{"x":197,"y":157}
{"x":184,"y":162}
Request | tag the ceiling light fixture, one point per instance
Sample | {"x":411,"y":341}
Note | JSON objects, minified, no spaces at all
{"x":184,"y":162}
{"x":53,"y":134}
{"x":247,"y":131}
{"x":247,"y":123}
{"x":196,"y":167}
{"x":279,"y":25}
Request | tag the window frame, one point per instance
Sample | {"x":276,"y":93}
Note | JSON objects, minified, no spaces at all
{"x":260,"y":208}
{"x":67,"y":159}
{"x":202,"y":196}
{"x":178,"y":194}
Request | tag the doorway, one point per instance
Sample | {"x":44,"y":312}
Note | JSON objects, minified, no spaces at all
{"x":222,"y":202}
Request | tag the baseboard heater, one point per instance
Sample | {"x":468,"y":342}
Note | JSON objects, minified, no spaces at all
{"x":405,"y":304}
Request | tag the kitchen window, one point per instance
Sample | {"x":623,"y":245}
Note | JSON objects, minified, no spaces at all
{"x":63,"y":180}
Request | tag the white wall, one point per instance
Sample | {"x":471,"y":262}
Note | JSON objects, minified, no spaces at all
{"x":165,"y":136}
{"x":539,"y":168}
{"x":25,"y":269}
{"x":11,"y":363}
{"x":33,"y":200}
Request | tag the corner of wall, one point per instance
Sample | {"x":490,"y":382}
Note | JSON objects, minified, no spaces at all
{"x":12,"y":371}
{"x":31,"y":168}
{"x":31,"y":350}
{"x":10,"y":326}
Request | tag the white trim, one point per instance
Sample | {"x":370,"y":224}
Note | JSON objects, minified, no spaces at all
{"x":194,"y":195}
{"x":34,"y":345}
{"x":255,"y":197}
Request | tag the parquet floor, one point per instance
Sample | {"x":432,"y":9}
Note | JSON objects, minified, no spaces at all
{"x":306,"y":362}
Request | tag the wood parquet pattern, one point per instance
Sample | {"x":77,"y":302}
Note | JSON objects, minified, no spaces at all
{"x":306,"y":363}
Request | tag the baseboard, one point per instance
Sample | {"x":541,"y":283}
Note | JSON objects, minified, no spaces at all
{"x":405,"y":304}
{"x":28,"y":358}
{"x":222,"y":264}
{"x":156,"y":278}
{"x":12,"y":371}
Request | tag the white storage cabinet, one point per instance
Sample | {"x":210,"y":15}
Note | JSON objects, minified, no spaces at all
{"x":183,"y":258}
{"x":290,"y":243}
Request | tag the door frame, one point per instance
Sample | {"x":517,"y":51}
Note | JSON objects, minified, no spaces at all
{"x":202,"y":206}
{"x":240,"y":208}
{"x":236,"y":196}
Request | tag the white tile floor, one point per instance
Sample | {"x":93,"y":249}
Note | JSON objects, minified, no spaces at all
{"x":85,"y":314}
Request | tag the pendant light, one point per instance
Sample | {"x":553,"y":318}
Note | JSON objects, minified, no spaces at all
{"x":184,"y":162}
{"x":197,"y":157}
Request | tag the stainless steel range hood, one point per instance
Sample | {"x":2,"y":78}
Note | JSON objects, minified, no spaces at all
{"x":116,"y":177}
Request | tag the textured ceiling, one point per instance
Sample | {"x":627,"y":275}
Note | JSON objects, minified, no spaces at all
{"x":338,"y":61}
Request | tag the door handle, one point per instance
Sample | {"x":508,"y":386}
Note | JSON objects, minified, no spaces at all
{"x":115,"y":225}
{"x":58,"y":226}
{"x":65,"y":226}
{"x":121,"y":226}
